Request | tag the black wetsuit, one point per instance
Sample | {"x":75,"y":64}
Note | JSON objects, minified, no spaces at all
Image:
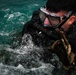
{"x":41,"y":38}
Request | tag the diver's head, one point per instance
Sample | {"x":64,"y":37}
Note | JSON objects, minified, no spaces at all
{"x":56,"y":11}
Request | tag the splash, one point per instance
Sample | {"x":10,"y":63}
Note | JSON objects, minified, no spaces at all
{"x":27,"y":58}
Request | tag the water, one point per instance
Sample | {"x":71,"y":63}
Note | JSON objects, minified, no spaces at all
{"x":22,"y":58}
{"x":13,"y":15}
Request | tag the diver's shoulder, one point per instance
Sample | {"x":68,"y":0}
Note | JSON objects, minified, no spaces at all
{"x":35,"y":14}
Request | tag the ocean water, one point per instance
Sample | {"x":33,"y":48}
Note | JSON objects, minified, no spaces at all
{"x":22,"y":58}
{"x":14,"y":14}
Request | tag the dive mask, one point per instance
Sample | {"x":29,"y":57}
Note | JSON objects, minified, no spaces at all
{"x":52,"y":17}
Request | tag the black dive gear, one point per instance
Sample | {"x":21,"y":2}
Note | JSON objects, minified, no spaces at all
{"x":36,"y":26}
{"x":46,"y":36}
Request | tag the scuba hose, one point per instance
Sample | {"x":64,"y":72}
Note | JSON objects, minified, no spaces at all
{"x":42,"y":29}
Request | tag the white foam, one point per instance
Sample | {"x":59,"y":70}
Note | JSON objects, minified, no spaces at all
{"x":4,"y":33}
{"x":20,"y":67}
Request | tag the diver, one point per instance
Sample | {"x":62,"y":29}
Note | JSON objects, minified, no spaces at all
{"x":53,"y":28}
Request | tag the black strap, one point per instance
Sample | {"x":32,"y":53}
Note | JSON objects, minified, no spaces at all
{"x":59,"y":26}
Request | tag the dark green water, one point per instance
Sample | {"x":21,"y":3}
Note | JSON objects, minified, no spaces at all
{"x":14,"y":14}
